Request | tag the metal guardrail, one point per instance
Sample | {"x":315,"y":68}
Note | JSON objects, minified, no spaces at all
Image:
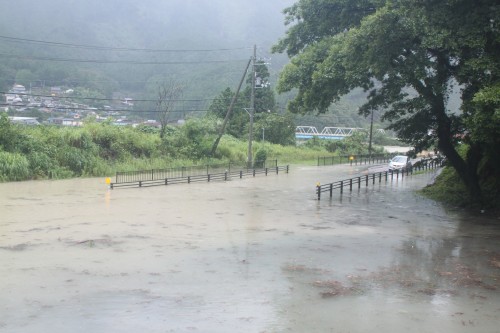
{"x":185,"y":171}
{"x":220,"y":176}
{"x":426,"y":164}
{"x":354,"y":159}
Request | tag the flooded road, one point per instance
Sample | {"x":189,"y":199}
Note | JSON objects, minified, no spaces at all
{"x":254,"y":255}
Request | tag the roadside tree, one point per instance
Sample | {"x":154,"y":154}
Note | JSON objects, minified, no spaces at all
{"x":409,"y":56}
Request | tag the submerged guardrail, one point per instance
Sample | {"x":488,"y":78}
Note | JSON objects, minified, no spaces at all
{"x":216,"y":176}
{"x":354,"y":159}
{"x":350,"y":183}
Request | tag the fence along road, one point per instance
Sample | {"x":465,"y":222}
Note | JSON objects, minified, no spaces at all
{"x":425,"y":164}
{"x":187,"y":175}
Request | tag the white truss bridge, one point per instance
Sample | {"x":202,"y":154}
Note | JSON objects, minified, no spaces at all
{"x":335,"y":133}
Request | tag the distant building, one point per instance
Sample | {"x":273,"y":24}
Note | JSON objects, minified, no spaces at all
{"x":24,"y":120}
{"x":13,"y":95}
{"x":18,"y":89}
{"x":128,"y":101}
{"x":55,"y":91}
{"x":9,"y":98}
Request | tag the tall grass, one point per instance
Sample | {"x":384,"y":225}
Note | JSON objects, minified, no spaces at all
{"x":13,"y":166}
{"x":102,"y":149}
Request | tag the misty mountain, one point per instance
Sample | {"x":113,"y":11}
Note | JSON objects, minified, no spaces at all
{"x":149,"y":24}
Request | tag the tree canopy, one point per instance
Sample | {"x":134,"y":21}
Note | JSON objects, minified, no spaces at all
{"x":276,"y":128}
{"x":410,"y":56}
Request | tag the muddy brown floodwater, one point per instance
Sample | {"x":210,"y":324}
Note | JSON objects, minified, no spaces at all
{"x":253,"y":255}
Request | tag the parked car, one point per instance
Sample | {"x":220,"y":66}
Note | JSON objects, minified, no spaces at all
{"x":400,"y":162}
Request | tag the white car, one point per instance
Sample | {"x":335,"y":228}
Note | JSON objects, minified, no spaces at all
{"x":400,"y":162}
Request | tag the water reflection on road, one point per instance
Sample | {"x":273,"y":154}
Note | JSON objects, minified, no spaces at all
{"x":253,"y":255}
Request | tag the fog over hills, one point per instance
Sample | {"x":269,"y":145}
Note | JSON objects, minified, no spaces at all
{"x":148,"y":24}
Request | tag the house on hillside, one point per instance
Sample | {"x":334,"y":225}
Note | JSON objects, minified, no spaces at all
{"x":55,"y":91}
{"x":15,"y":94}
{"x":24,"y":120}
{"x":18,"y":89}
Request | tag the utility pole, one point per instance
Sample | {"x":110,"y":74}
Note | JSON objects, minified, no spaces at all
{"x":230,"y":110}
{"x":371,"y":135}
{"x":252,"y":109}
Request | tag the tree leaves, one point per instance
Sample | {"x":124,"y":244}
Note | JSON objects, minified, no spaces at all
{"x":407,"y":55}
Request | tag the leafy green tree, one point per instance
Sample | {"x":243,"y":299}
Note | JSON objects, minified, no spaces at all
{"x":265,"y":104}
{"x":354,"y":144}
{"x":275,"y":128}
{"x":239,"y":117}
{"x":264,"y":95}
{"x":407,"y":55}
{"x":192,"y":140}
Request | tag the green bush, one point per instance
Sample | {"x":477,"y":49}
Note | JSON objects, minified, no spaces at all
{"x":40,"y":164}
{"x":13,"y":166}
{"x":260,"y":158}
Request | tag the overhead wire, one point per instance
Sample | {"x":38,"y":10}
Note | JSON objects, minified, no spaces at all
{"x":67,"y":108}
{"x":106,"y":99}
{"x":110,"y":48}
{"x":128,"y":62}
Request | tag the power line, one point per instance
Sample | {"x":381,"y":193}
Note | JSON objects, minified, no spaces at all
{"x":71,"y":81}
{"x":109,"y":48}
{"x":105,"y":110}
{"x":106,"y":99}
{"x":128,"y":62}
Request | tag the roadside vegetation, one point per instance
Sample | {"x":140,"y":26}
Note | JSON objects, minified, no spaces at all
{"x":101,"y":149}
{"x":449,"y":189}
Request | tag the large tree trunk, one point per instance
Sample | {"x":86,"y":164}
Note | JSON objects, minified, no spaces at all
{"x":435,"y":92}
{"x":466,"y":171}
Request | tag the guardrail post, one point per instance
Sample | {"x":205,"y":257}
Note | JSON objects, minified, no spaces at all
{"x":379,"y":177}
{"x":331,"y":190}
{"x":287,"y":168}
{"x":140,"y":183}
{"x":189,"y":179}
{"x":152,"y":174}
{"x":266,"y":171}
{"x":366,"y":180}
{"x":208,"y":177}
{"x":350,"y":184}
{"x":225,"y":176}
{"x":359,"y":183}
{"x":253,"y":172}
{"x":373,"y":181}
{"x":277,"y":170}
{"x":166,"y":181}
{"x":241,"y":174}
{"x":318,"y":191}
{"x":341,"y":187}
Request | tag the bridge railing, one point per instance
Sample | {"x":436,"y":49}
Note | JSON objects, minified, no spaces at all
{"x":350,"y":183}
